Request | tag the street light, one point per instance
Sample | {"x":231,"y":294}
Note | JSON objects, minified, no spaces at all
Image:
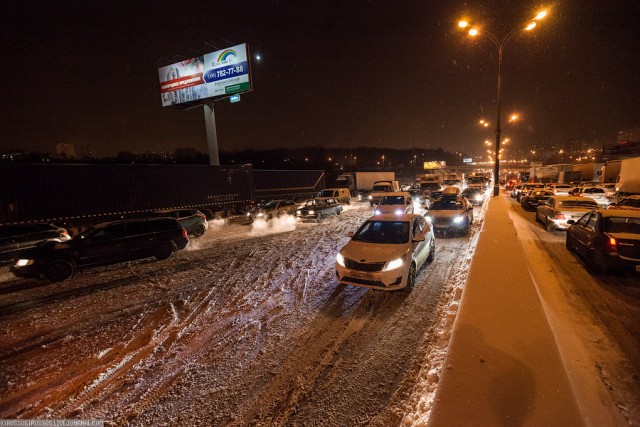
{"x":500,"y":44}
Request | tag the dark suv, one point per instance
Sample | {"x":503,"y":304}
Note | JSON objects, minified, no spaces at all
{"x":107,"y":243}
{"x":16,"y":238}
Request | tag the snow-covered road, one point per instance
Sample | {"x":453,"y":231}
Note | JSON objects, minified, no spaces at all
{"x":248,"y":326}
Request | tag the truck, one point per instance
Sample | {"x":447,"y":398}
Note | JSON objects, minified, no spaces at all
{"x":628,"y":180}
{"x":380,"y":188}
{"x":610,"y":171}
{"x":362,"y":181}
{"x":590,"y":171}
{"x":567,"y":177}
{"x":91,"y":193}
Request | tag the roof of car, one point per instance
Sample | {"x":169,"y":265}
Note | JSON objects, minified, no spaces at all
{"x":393,"y":217}
{"x":573,"y":198}
{"x":397,"y":193}
{"x":620,"y":212}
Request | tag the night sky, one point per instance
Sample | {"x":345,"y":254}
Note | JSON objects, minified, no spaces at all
{"x":332,"y":74}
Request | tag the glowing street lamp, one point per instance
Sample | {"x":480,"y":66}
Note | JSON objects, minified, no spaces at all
{"x":500,"y":45}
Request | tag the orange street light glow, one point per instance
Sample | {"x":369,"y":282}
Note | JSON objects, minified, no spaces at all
{"x":473,"y":32}
{"x":540,"y":15}
{"x":531,"y":26}
{"x":463,"y":24}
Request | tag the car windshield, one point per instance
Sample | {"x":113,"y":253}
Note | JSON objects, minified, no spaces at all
{"x":325,"y":193}
{"x":616,"y":224}
{"x":470,"y":192}
{"x":572,"y":204}
{"x":384,"y":232}
{"x":446,"y":204}
{"x":593,"y":190}
{"x":392,"y":200}
{"x":429,"y":186}
{"x":315,"y":203}
{"x":381,"y":187}
{"x":632,"y":203}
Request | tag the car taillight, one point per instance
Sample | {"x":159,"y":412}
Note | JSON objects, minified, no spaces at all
{"x":203,"y":216}
{"x":184,"y":233}
{"x":559,"y":215}
{"x":612,"y":245}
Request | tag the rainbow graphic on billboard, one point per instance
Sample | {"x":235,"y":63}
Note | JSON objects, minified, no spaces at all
{"x":213,"y":75}
{"x":226,"y":54}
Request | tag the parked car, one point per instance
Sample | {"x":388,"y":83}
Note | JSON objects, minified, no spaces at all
{"x":451,"y":214}
{"x":596,"y":193}
{"x":609,"y":190}
{"x":398,"y":203}
{"x":556,"y":211}
{"x":342,"y":194}
{"x":631,"y":202}
{"x":318,"y":209}
{"x":560,"y":189}
{"x":417,"y":197}
{"x":474,"y":195}
{"x":528,"y":187}
{"x":387,"y":252}
{"x":106,"y":243}
{"x":192,"y":220}
{"x":534,"y":198}
{"x":272,"y":209}
{"x":607,"y":239}
{"x":515,"y":190}
{"x":17,"y":238}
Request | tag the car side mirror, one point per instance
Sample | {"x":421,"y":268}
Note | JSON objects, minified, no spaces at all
{"x":351,"y":234}
{"x":571,"y":221}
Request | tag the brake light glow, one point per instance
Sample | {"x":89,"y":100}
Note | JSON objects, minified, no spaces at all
{"x":559,"y":215}
{"x":612,"y":245}
{"x":184,"y":233}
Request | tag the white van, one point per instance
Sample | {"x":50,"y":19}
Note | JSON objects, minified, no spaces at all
{"x":342,"y":194}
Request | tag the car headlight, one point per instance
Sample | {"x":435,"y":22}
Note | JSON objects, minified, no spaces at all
{"x":478,"y":198}
{"x":370,"y":197}
{"x":429,"y":219}
{"x":376,"y":212}
{"x":24,"y":262}
{"x":312,"y":212}
{"x":392,"y":265}
{"x":340,"y":259}
{"x":248,"y":213}
{"x":260,"y":215}
{"x":399,"y":212}
{"x":299,"y":213}
{"x":458,"y":219}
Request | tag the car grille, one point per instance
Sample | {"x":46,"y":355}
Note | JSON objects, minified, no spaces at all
{"x":363,"y":266}
{"x":442,"y":222}
{"x":370,"y":282}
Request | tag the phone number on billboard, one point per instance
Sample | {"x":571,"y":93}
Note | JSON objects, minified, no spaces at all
{"x":226,"y":72}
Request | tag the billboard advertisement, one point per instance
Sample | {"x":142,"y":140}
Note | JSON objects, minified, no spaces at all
{"x":220,"y":73}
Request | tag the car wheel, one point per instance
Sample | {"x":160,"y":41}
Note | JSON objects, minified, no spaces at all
{"x":338,"y":211}
{"x":550,"y":225}
{"x":58,"y":270}
{"x":568,"y":244}
{"x":163,"y":252}
{"x":411,"y":277}
{"x":432,"y":253}
{"x":198,"y":231}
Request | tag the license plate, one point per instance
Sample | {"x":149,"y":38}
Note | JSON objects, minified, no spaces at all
{"x":360,"y":276}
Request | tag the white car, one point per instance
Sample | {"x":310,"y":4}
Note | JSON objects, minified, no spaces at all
{"x":386,"y":252}
{"x":596,"y":193}
{"x":395,"y":203}
{"x":560,"y":189}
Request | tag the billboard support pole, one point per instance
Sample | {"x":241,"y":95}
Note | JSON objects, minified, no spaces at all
{"x":212,"y":135}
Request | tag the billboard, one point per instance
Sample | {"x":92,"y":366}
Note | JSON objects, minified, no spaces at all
{"x":220,"y":73}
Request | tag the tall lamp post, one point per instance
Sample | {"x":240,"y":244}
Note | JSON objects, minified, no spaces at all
{"x":500,"y":44}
